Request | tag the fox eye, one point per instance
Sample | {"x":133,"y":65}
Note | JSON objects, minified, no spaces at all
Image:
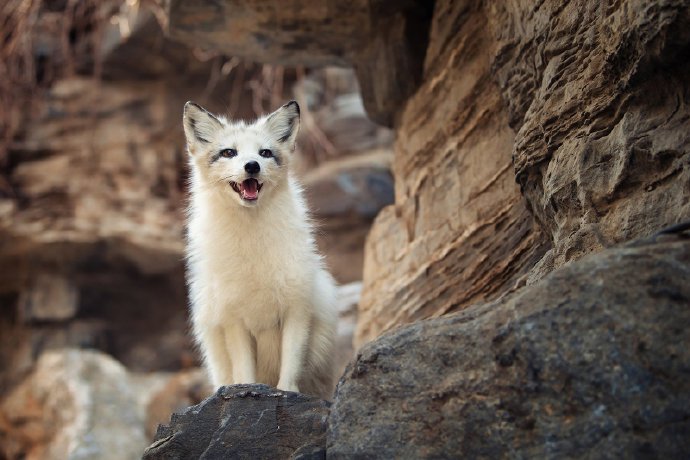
{"x":228,"y":153}
{"x":265,"y":153}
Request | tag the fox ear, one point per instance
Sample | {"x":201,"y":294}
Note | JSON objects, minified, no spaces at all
{"x":283,"y":124}
{"x":199,"y":126}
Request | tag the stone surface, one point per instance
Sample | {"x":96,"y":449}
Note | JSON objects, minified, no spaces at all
{"x":599,"y":97}
{"x":589,"y":101}
{"x":77,"y":405}
{"x":591,"y":362}
{"x":245,"y":421}
{"x":459,"y":232}
{"x":377,"y":37}
{"x":91,"y":231}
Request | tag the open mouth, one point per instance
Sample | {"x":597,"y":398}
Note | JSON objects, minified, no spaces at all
{"x":248,"y":189}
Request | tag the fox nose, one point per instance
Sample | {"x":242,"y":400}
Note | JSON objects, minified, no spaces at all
{"x":252,"y":167}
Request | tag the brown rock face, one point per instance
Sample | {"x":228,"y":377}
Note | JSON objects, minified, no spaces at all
{"x":91,"y":233}
{"x":591,"y":362}
{"x":91,"y":230}
{"x":459,"y":232}
{"x":384,"y":40}
{"x":599,"y":96}
{"x":592,"y":103}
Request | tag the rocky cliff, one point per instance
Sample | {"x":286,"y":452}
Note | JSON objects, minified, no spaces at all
{"x":584,"y":105}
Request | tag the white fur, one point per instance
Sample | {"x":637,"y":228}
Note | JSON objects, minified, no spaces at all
{"x":263,"y":306}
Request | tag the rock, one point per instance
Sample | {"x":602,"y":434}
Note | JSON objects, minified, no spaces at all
{"x":345,"y":194}
{"x":599,"y":98}
{"x":589,"y":362}
{"x":245,"y":421}
{"x":77,"y":405}
{"x":459,"y":232}
{"x":586,"y":105}
{"x":91,"y":230}
{"x":91,"y":233}
{"x":385,"y":38}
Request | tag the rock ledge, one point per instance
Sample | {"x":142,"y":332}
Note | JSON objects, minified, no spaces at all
{"x":245,"y":421}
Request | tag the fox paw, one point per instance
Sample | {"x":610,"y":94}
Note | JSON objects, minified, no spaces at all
{"x":288,"y":387}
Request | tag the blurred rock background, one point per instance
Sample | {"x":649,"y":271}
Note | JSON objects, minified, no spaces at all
{"x":93,"y":170}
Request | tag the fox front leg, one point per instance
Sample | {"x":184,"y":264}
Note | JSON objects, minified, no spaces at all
{"x":294,"y":343}
{"x":239,"y":344}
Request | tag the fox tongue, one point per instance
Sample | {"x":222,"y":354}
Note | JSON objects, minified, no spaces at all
{"x":250,"y":189}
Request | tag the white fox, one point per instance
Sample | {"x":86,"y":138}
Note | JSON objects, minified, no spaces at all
{"x":263,"y":305}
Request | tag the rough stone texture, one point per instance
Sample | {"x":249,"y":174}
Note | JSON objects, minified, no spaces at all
{"x":75,"y":165}
{"x":591,"y":100}
{"x":599,"y":96}
{"x":378,"y":37}
{"x":459,"y":232}
{"x":245,"y":421}
{"x":77,"y":405}
{"x":591,"y":362}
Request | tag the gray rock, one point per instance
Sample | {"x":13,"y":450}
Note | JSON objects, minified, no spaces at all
{"x":590,"y":362}
{"x":245,"y":421}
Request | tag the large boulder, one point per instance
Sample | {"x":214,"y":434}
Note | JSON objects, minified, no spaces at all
{"x":590,"y":362}
{"x":245,"y":421}
{"x":76,"y":404}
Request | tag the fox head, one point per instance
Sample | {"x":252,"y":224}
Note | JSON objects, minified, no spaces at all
{"x":247,"y":161}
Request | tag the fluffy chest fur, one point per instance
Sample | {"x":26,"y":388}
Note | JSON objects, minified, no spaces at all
{"x":253,"y":263}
